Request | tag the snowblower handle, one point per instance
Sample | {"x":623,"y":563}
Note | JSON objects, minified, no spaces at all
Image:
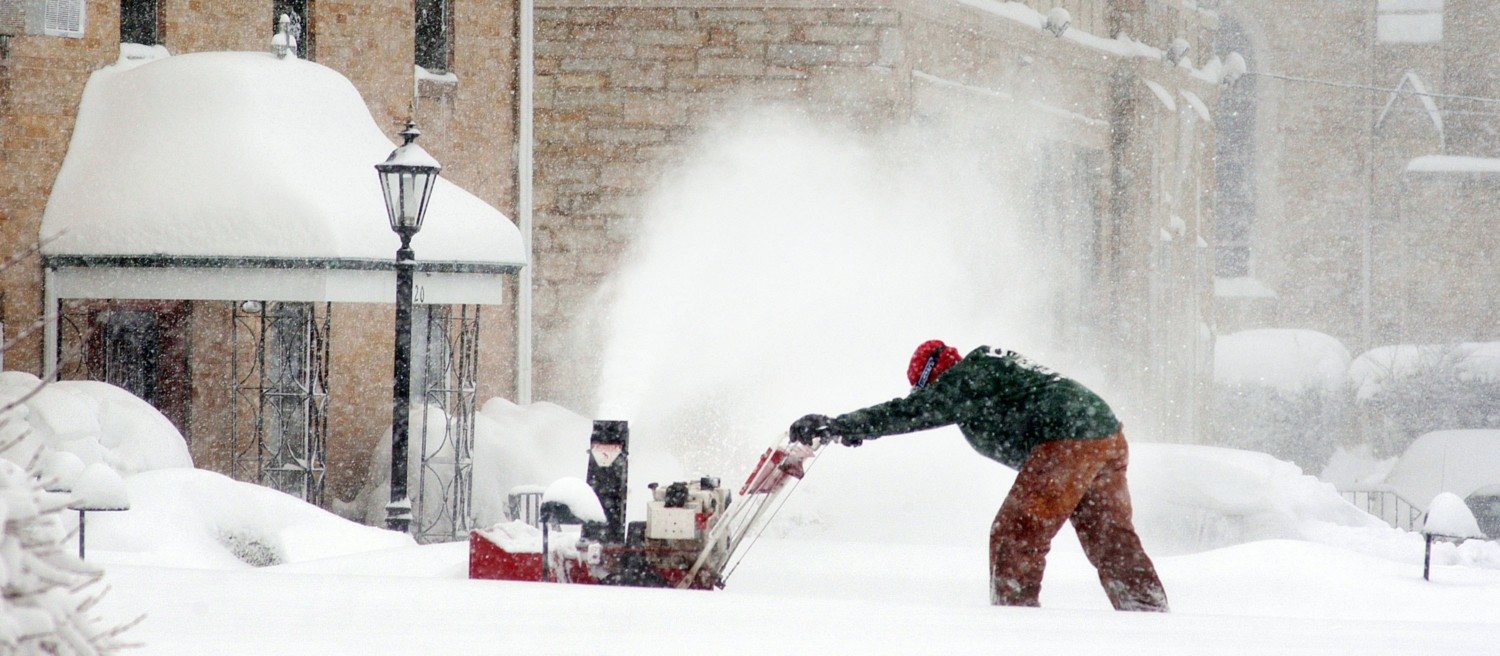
{"x":732,"y":533}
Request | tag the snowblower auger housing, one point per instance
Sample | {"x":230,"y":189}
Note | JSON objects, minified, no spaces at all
{"x":694,"y":533}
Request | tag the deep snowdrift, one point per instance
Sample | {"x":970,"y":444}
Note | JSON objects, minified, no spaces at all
{"x":199,"y":519}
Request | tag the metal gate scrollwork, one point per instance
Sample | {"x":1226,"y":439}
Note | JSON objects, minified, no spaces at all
{"x":449,"y":350}
{"x":279,"y":392}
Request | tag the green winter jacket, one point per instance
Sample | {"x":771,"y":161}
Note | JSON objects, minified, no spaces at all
{"x":1004,"y":404}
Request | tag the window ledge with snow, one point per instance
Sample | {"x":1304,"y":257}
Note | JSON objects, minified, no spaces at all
{"x":1242,"y":287}
{"x":435,"y":86}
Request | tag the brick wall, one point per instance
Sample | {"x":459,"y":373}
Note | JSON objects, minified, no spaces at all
{"x":41,"y":81}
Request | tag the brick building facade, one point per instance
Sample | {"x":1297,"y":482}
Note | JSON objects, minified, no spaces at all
{"x":468,"y":118}
{"x":623,"y":86}
{"x":1347,"y":238}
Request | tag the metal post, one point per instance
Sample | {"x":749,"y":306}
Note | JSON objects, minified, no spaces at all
{"x":1427,"y":560}
{"x":80,"y":535}
{"x":526,"y":122}
{"x":398,"y":511}
{"x":52,"y":328}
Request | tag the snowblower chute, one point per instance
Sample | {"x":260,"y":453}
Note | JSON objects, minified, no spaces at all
{"x":694,"y":535}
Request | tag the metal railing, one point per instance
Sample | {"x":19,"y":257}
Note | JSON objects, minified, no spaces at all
{"x":1386,"y":504}
{"x":524,"y":503}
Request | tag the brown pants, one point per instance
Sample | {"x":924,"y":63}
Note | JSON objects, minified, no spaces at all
{"x":1081,"y":480}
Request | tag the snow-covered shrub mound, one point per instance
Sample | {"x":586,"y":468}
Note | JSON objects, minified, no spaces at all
{"x":46,"y":594}
{"x":97,"y":422}
{"x":1282,"y":391}
{"x":1193,"y":498}
{"x":1406,"y":390}
{"x":198,"y":519}
{"x":1288,"y":359}
{"x":1377,"y":368}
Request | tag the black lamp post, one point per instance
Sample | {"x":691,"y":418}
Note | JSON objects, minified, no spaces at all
{"x":407,"y":178}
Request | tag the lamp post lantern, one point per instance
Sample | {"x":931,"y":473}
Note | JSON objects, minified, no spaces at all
{"x":407,"y":178}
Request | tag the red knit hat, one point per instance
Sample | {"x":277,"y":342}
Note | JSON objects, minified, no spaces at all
{"x":932,"y":358}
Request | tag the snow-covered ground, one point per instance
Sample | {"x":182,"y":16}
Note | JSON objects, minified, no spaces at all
{"x":1335,"y":582}
{"x":1256,"y":557}
{"x":813,"y":597}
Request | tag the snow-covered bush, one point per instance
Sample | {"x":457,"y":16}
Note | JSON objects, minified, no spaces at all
{"x":1407,"y":390}
{"x":1284,"y":392}
{"x":47,"y":595}
{"x":94,"y":422}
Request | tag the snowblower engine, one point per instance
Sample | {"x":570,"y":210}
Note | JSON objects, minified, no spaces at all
{"x":692,"y":531}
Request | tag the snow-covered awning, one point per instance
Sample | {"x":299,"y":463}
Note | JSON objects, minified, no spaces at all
{"x":235,"y":175}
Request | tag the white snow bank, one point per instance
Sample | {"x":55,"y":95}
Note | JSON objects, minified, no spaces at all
{"x":1191,"y":498}
{"x":1448,"y":516}
{"x":1291,"y":360}
{"x":96,"y":422}
{"x":1372,"y":370}
{"x":198,"y":519}
{"x":1453,"y":164}
{"x":227,"y":153}
{"x":1457,"y":461}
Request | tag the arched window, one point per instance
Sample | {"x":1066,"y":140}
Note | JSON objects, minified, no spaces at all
{"x":1234,"y":159}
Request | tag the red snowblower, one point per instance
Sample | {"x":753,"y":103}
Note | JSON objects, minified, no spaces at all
{"x":694,"y":536}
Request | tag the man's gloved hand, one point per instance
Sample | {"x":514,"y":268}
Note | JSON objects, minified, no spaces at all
{"x":810,"y":428}
{"x":851,"y":440}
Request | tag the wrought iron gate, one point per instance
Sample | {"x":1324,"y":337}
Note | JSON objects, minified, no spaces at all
{"x":279,"y":396}
{"x":449,"y":346}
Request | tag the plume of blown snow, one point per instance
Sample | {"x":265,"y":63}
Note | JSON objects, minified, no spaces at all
{"x":790,"y":265}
